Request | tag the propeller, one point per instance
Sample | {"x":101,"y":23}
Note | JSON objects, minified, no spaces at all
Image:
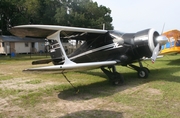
{"x":161,"y":40}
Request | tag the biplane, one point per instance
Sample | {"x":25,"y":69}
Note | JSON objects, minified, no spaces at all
{"x":173,"y":44}
{"x":99,"y":49}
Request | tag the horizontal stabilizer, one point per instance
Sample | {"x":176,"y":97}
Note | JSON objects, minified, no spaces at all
{"x":73,"y":67}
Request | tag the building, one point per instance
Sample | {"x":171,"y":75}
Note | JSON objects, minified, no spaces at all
{"x":13,"y":44}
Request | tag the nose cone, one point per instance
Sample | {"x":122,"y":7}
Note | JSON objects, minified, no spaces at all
{"x":162,"y":40}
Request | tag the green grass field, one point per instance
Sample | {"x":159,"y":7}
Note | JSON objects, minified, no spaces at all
{"x":49,"y":95}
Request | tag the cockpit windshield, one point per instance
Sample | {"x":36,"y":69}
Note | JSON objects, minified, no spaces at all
{"x":116,"y":34}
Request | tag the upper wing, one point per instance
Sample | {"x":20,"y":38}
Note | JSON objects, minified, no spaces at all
{"x":73,"y":67}
{"x":46,"y":30}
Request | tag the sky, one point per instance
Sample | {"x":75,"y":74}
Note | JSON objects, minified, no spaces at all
{"x":137,"y":15}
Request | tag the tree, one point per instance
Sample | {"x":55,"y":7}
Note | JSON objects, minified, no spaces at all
{"x":79,"y":13}
{"x":83,"y":13}
{"x":12,"y":12}
{"x":42,"y":11}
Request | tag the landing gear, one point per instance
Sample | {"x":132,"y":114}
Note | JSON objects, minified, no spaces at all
{"x":115,"y":78}
{"x":142,"y":72}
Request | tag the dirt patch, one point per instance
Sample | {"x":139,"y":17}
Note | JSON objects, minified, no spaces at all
{"x":61,"y":108}
{"x":22,"y":84}
{"x":153,"y":91}
{"x":3,"y":104}
{"x":132,"y":90}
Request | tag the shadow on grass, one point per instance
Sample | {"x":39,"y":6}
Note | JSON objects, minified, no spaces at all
{"x":99,"y":89}
{"x":94,"y":114}
{"x":166,"y":73}
{"x":104,"y":88}
{"x":175,"y":62}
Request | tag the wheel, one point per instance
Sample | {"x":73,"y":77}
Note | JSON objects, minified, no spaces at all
{"x":143,"y":73}
{"x":147,"y":69}
{"x":117,"y":79}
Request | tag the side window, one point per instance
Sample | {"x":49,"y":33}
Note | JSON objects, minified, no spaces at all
{"x":178,"y":43}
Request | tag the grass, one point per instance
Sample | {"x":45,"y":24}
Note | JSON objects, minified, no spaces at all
{"x":30,"y":99}
{"x":6,"y":92}
{"x":50,"y":95}
{"x":5,"y":77}
{"x":33,"y":82}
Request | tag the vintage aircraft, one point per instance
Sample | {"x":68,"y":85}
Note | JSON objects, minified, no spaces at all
{"x":173,"y":44}
{"x":100,"y":49}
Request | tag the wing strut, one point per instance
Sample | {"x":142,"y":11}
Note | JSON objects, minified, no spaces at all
{"x":77,"y":90}
{"x":56,"y":36}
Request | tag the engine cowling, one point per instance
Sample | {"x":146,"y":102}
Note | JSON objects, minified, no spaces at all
{"x":151,"y":38}
{"x":145,"y":43}
{"x":146,"y":37}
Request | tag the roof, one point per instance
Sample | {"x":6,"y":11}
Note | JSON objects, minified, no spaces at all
{"x":4,"y":38}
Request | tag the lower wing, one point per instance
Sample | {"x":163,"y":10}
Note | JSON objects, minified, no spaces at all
{"x":73,"y":67}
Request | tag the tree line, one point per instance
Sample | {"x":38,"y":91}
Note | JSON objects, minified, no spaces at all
{"x":77,"y":13}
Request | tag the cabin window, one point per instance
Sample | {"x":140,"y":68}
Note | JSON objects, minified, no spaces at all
{"x":26,"y":44}
{"x":178,"y":43}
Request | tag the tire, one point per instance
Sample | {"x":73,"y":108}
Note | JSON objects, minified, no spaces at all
{"x":118,"y":79}
{"x":143,"y":73}
{"x":147,"y":69}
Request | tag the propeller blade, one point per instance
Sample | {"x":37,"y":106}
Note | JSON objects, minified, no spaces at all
{"x":161,"y":40}
{"x":155,"y":53}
